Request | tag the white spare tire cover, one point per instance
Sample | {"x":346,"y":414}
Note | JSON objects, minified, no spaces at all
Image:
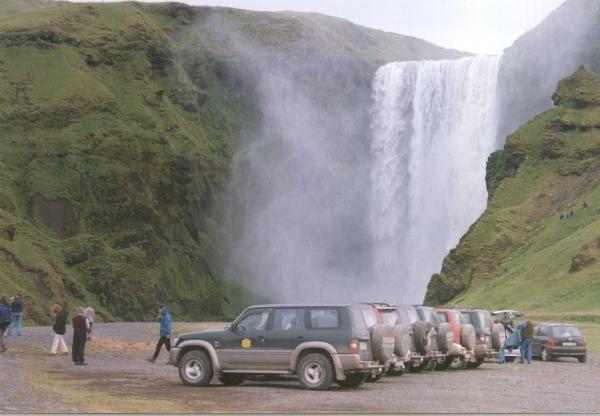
{"x":402,"y":341}
{"x":382,"y":339}
{"x":467,"y":336}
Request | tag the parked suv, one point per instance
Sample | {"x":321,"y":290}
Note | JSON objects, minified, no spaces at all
{"x":433,"y":340}
{"x":559,"y":340}
{"x":319,"y":344}
{"x":462,"y":349}
{"x":403,"y":337}
{"x":489,"y":336}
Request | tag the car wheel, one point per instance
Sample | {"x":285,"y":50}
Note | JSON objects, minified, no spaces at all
{"x":232,"y":379}
{"x":582,"y":359}
{"x":383,"y":342}
{"x":458,"y":363}
{"x":546,"y":355}
{"x":195,"y":368}
{"x":443,"y":366}
{"x":475,"y":364}
{"x":353,"y":380}
{"x":315,"y":372}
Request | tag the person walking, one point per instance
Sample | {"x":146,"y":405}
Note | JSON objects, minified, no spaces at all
{"x":526,"y":330}
{"x":59,"y":327}
{"x":90,"y":314}
{"x":4,"y":321}
{"x":16,"y":314}
{"x":81,"y":326}
{"x":165,"y":332}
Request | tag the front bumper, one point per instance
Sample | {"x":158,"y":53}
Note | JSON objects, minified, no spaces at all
{"x":174,"y":356}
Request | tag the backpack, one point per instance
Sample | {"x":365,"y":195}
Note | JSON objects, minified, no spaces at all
{"x":4,"y":314}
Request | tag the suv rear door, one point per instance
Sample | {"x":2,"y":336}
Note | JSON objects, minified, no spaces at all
{"x":244,"y":348}
{"x":286,"y":330}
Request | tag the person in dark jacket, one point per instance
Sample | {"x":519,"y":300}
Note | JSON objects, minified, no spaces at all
{"x":59,"y":327}
{"x":81,"y":326}
{"x":165,"y":332}
{"x":4,"y":321}
{"x":16,"y":315}
{"x":525,"y":328}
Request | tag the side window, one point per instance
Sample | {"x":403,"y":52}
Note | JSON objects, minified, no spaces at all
{"x":412,"y":315}
{"x":254,"y":320}
{"x":442,"y":316}
{"x":288,"y":320}
{"x":542,"y":331}
{"x":325,"y":318}
{"x":464,"y":318}
{"x":370,"y":317}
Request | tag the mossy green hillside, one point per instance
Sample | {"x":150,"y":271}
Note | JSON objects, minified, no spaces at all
{"x":520,"y":254}
{"x":118,"y":124}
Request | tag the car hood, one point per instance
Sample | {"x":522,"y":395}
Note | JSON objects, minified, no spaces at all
{"x":206,"y":335}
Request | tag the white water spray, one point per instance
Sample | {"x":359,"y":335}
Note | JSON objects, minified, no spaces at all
{"x":433,"y":125}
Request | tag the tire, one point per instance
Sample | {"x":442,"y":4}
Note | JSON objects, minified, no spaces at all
{"x":498,"y":336}
{"x":475,"y":364}
{"x":423,"y":337}
{"x":445,"y":337}
{"x":467,"y":336}
{"x":315,"y":372}
{"x":457,"y":363}
{"x":195,"y":368}
{"x":443,"y":366}
{"x":396,"y":371}
{"x":402,"y":341}
{"x":232,"y":379}
{"x":545,"y":355}
{"x":418,"y":369}
{"x":582,"y":359}
{"x":375,"y":378}
{"x":382,"y":337}
{"x":353,"y":380}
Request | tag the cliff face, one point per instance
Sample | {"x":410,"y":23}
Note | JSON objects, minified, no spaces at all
{"x":118,"y":127}
{"x":536,"y":245}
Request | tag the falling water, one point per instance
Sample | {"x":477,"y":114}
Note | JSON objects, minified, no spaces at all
{"x":433,"y":124}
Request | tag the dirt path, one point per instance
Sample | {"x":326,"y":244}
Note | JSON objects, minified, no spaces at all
{"x":119,"y":379}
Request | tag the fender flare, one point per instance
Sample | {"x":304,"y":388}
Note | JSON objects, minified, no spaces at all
{"x":337,"y":363}
{"x":207,"y":346}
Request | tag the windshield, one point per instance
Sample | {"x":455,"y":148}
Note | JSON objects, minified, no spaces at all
{"x":564,"y":331}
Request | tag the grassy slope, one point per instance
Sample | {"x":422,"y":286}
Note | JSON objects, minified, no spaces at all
{"x":518,"y":254}
{"x":118,"y":123}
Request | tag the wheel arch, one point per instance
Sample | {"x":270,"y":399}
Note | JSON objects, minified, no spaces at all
{"x":321,"y":348}
{"x":199,"y":345}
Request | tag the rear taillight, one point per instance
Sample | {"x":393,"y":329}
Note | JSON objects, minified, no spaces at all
{"x":354,"y":346}
{"x":584,"y":342}
{"x":551,"y":342}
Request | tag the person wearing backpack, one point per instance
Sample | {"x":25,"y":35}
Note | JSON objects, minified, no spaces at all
{"x":4,"y":321}
{"x":59,"y":328}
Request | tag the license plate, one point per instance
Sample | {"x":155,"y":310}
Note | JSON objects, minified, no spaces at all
{"x":569,"y":344}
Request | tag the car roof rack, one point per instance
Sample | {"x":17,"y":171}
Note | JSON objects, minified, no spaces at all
{"x":377,"y":304}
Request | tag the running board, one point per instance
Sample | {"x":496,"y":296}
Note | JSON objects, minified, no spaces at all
{"x":276,"y":372}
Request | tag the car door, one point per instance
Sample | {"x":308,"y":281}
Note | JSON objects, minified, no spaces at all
{"x":540,"y":338}
{"x":286,"y":331}
{"x":244,"y":346}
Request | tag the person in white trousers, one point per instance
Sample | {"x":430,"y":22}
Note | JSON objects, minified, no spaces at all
{"x":90,"y":314}
{"x":59,"y":327}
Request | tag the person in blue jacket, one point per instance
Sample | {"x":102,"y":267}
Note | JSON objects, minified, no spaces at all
{"x":165,"y":332}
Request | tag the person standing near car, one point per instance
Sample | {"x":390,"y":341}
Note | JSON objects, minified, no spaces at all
{"x":81,"y":326}
{"x":4,"y":321}
{"x":59,"y":328}
{"x":165,"y":332}
{"x":525,"y":328}
{"x":16,"y":315}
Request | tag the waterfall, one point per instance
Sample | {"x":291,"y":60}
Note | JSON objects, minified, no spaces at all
{"x":433,"y":125}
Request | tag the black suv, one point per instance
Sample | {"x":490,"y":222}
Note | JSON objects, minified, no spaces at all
{"x":489,"y":336}
{"x":319,"y":344}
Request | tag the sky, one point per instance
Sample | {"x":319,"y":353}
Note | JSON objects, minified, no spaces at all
{"x":480,"y":26}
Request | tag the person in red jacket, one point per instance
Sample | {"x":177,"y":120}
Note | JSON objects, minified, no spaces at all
{"x":81,"y":327}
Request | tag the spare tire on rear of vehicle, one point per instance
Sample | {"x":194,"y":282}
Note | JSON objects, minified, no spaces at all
{"x":498,"y":336}
{"x":382,"y":337}
{"x":445,"y":336}
{"x":402,"y":334}
{"x":467,"y":336}
{"x":424,"y":332}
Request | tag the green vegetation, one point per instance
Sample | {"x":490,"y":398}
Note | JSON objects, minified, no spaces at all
{"x":118,"y":124}
{"x":519,"y":254}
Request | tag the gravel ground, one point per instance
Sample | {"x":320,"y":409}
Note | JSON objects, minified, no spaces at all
{"x":121,"y":378}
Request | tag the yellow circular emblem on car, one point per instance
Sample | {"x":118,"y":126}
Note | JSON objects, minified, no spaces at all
{"x":246,"y":343}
